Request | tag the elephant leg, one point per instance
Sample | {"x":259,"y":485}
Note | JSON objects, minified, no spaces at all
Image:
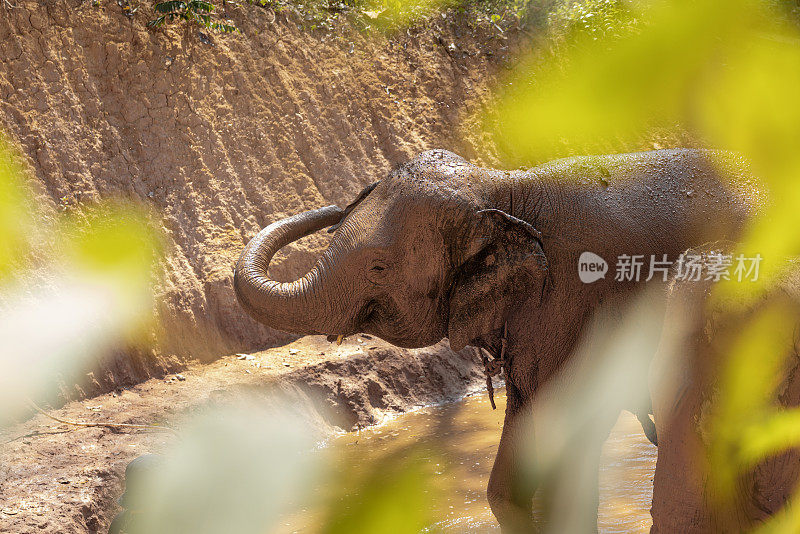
{"x":510,"y":495}
{"x":572,"y":496}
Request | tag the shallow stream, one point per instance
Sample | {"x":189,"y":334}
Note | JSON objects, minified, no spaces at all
{"x":459,"y":442}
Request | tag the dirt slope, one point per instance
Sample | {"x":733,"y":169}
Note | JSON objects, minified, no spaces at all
{"x":222,"y":139}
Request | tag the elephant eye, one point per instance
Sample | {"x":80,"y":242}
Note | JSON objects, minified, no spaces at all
{"x":378,"y":266}
{"x":377,"y":272}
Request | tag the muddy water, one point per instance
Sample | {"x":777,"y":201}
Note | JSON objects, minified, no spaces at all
{"x":460,"y":441}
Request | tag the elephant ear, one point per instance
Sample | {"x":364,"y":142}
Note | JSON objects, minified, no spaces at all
{"x":504,"y":267}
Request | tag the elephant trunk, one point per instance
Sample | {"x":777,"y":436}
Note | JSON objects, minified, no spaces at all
{"x":291,"y":306}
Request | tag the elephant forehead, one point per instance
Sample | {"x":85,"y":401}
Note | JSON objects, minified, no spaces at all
{"x":401,"y":229}
{"x":437,"y":176}
{"x":436,"y":167}
{"x":437,"y":157}
{"x":416,"y":217}
{"x":428,"y":197}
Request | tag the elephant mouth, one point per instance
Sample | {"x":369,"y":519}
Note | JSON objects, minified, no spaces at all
{"x":364,"y":319}
{"x":381,"y":319}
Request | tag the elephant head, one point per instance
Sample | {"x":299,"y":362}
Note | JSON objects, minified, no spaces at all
{"x":421,"y":255}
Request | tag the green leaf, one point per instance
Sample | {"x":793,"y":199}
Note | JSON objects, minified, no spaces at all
{"x":224,"y":28}
{"x":170,"y":6}
{"x":199,"y":5}
{"x":156,"y":23}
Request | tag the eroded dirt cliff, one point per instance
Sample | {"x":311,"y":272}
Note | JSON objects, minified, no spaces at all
{"x":220,"y":139}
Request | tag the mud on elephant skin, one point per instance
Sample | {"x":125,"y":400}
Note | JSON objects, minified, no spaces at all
{"x":444,"y":248}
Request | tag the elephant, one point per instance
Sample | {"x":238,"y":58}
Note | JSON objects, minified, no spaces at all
{"x":443,"y":248}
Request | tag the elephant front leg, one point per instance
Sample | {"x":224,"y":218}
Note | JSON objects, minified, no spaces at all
{"x":570,"y":490}
{"x":510,"y":495}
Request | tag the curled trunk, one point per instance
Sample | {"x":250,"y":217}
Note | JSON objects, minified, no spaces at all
{"x":288,"y":306}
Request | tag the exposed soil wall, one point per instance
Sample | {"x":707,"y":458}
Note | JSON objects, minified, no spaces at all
{"x":223,"y":138}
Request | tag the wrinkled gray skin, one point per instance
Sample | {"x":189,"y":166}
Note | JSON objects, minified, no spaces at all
{"x":443,"y":248}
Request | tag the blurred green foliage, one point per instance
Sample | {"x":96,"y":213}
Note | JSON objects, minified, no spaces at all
{"x":235,"y":469}
{"x":73,"y":287}
{"x":572,"y":22}
{"x":750,"y":384}
{"x":728,"y":73}
{"x":112,"y":239}
{"x":199,"y":12}
{"x":14,"y":212}
{"x":394,"y":495}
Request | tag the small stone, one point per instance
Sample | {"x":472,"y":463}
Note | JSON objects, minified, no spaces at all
{"x":180,"y":378}
{"x":292,"y":352}
{"x":244,"y":357}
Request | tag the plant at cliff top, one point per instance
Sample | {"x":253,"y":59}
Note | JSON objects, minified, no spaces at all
{"x":591,"y":19}
{"x":192,"y":11}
